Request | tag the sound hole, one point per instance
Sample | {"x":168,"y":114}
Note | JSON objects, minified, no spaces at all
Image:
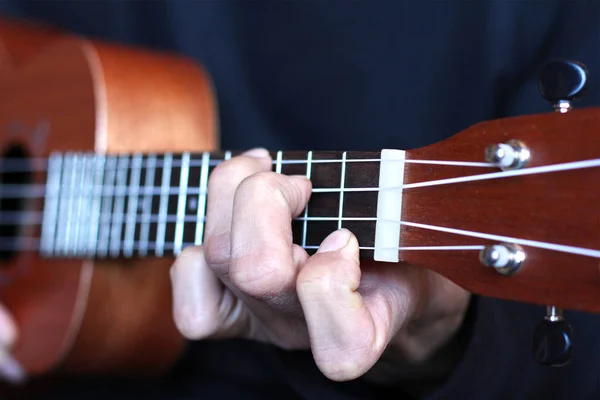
{"x":15,"y":169}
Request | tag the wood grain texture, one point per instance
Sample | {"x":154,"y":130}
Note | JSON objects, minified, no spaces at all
{"x":558,"y":207}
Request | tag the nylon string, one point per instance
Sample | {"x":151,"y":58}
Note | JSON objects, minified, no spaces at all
{"x":16,"y":190}
{"x":481,"y":235}
{"x":463,"y":179}
{"x":15,"y":165}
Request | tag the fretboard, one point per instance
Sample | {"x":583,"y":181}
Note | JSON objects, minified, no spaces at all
{"x":154,"y":205}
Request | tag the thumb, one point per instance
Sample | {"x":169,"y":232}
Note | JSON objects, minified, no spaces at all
{"x":348,"y":330}
{"x":10,"y":369}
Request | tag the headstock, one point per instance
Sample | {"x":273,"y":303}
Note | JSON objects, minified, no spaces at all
{"x":529,"y":218}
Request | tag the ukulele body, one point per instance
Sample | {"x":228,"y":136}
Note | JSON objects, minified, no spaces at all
{"x":20,"y":41}
{"x":74,"y":94}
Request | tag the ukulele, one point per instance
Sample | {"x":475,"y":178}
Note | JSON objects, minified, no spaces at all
{"x":20,"y":40}
{"x":80,"y":316}
{"x":105,"y":156}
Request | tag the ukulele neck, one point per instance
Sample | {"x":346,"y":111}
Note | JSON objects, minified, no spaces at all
{"x":154,"y":205}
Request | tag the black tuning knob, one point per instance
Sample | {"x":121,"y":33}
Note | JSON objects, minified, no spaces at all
{"x":562,"y":81}
{"x":552,"y":340}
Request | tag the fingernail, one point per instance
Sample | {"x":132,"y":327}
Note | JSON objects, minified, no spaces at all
{"x":257,"y":153}
{"x":302,"y":180}
{"x":10,"y":369}
{"x":335,"y":241}
{"x":299,"y":177}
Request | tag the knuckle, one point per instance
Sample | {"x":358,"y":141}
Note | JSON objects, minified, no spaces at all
{"x":314,"y":282}
{"x":270,"y":187}
{"x":257,"y":278}
{"x":259,"y":184}
{"x":232,"y":171}
{"x":327,"y":277}
{"x":291,"y":195}
{"x":223,"y":172}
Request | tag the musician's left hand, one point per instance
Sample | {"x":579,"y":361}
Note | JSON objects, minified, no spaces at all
{"x":249,"y":280}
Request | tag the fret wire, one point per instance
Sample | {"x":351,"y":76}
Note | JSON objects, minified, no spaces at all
{"x":50,"y":216}
{"x":63,"y":204}
{"x":84,"y":204}
{"x":107,"y":205}
{"x":119,"y":207}
{"x":164,"y":201}
{"x":74,"y":169}
{"x":308,"y":176}
{"x":134,"y":189}
{"x":278,"y":163}
{"x":96,"y":205}
{"x":74,"y":202}
{"x":81,"y":207}
{"x":342,"y":181}
{"x":181,"y":203}
{"x":147,"y":205}
{"x":200,"y":225}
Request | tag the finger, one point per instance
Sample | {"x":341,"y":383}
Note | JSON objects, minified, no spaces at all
{"x":202,"y":309}
{"x":8,"y":328}
{"x":348,"y":330}
{"x":264,"y":259}
{"x":10,"y":369}
{"x":222,"y":185}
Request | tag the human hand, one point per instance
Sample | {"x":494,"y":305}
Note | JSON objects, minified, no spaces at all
{"x":10,"y":370}
{"x":249,"y":280}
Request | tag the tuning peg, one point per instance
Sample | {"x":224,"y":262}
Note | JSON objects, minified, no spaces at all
{"x":552,"y":344}
{"x":561,"y":82}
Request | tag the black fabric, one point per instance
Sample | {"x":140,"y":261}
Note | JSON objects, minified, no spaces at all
{"x":361,"y":75}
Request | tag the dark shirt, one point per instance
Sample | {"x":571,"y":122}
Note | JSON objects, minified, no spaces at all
{"x":365,"y":75}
